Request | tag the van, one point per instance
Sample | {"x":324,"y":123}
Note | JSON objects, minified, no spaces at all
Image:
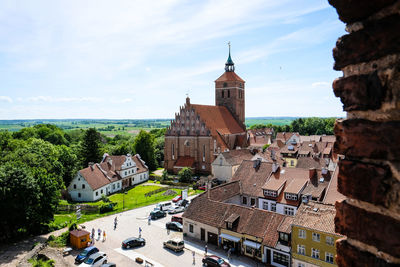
{"x":176,"y":244}
{"x":163,"y":206}
{"x":177,"y":218}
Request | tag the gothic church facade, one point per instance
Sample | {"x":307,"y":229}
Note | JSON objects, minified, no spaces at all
{"x":200,"y":132}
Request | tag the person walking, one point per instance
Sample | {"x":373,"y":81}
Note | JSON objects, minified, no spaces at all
{"x":99,"y":234}
{"x":104,"y":235}
{"x":115,"y":222}
{"x":93,"y":233}
{"x":194,"y":258}
{"x":149,"y":220}
{"x":140,"y":232}
{"x":205,"y":249}
{"x":167,"y":231}
{"x":229,"y":253}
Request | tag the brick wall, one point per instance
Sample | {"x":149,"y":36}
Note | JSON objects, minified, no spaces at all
{"x":369,"y":57}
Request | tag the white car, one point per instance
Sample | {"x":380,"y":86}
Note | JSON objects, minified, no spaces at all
{"x":95,"y":260}
{"x":176,"y":209}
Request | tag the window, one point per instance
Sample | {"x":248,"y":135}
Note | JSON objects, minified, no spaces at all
{"x":316,"y":237}
{"x":79,"y":194}
{"x":173,"y":151}
{"x":215,"y":146}
{"x":191,"y":228}
{"x":270,"y":193}
{"x":288,"y":211}
{"x":290,"y":196}
{"x":283,"y":236}
{"x":302,"y":233}
{"x":315,"y":253}
{"x":229,"y":93}
{"x":252,"y":201}
{"x":225,"y":85}
{"x":125,"y":172}
{"x":101,"y":191}
{"x":328,"y":257}
{"x":273,"y":207}
{"x":330,"y":241}
{"x":292,"y":163}
{"x":83,"y":186}
{"x":113,"y":186}
{"x":301,"y":249}
{"x":281,"y":258}
{"x":74,"y":186}
{"x":265,"y":205}
{"x":249,"y":250}
{"x":97,"y":193}
{"x":244,"y":200}
{"x":204,"y":152}
{"x":223,"y":92}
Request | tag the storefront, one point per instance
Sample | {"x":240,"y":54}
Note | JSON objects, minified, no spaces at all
{"x":252,"y":249}
{"x":228,"y":241}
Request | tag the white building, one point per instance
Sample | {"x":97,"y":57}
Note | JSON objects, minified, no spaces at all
{"x":112,"y":174}
{"x":226,"y":163}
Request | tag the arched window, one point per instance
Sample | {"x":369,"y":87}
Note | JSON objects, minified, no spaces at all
{"x":229,"y":93}
{"x":204,"y":152}
{"x":223,"y":91}
{"x":173,"y":151}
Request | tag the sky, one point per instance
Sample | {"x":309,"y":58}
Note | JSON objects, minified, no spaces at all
{"x":138,"y":59}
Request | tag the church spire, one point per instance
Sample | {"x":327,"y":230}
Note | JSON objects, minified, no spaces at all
{"x":229,"y":65}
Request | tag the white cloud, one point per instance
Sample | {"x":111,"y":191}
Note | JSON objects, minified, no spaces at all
{"x":5,"y":99}
{"x":51,"y":99}
{"x":320,"y":84}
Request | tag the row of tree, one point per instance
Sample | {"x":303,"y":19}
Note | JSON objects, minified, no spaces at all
{"x":38,"y":162}
{"x":304,"y":126}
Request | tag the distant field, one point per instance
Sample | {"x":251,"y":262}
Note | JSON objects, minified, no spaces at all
{"x":122,"y":127}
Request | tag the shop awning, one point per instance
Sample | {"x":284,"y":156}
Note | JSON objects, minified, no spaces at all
{"x":230,"y":237}
{"x":251,"y":244}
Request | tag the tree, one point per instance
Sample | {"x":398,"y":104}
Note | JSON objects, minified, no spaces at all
{"x":91,"y":147}
{"x":159,"y":150}
{"x":144,"y":146}
{"x":185,"y":175}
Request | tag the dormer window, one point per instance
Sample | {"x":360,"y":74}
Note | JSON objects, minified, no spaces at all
{"x":290,"y":196}
{"x":270,"y":193}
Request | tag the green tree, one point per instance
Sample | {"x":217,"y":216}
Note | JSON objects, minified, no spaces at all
{"x":185,"y":175}
{"x":91,"y":147}
{"x":159,"y":150}
{"x":164,"y":176}
{"x":144,"y":146}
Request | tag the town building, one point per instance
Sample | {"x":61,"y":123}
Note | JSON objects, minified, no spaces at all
{"x":199,"y":133}
{"x":226,"y":163}
{"x":314,"y":236}
{"x":112,"y":174}
{"x":258,"y":138}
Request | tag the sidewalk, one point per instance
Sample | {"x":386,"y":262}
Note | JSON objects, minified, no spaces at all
{"x":236,"y":261}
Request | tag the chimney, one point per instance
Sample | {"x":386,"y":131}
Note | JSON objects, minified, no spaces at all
{"x":90,"y":164}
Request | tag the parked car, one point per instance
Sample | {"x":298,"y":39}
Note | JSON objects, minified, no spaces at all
{"x":157,"y":214}
{"x":184,"y":203}
{"x":133,"y":242}
{"x":177,"y":198}
{"x":174,"y":226}
{"x":176,"y":209}
{"x":163,"y":206}
{"x":175,"y":244}
{"x":85,"y":254}
{"x":214,"y":260}
{"x":95,"y":260}
{"x":203,"y":187}
{"x":177,"y":218}
{"x":110,"y":264}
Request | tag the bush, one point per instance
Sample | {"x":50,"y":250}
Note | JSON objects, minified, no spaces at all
{"x":107,"y":207}
{"x":185,"y":175}
{"x":60,"y":241}
{"x":105,"y":199}
{"x":175,"y":184}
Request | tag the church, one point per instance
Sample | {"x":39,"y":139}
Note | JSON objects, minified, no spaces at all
{"x":200,"y":132}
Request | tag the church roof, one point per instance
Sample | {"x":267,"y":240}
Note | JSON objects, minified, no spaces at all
{"x":219,"y":120}
{"x":229,"y":76}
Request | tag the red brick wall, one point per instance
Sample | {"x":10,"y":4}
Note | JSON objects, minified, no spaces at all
{"x":369,"y":57}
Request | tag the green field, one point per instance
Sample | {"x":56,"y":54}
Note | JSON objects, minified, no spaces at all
{"x":112,"y":128}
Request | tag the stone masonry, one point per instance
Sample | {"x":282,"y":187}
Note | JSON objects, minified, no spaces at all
{"x":369,"y":176}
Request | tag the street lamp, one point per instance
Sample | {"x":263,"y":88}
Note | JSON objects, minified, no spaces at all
{"x":123,"y":200}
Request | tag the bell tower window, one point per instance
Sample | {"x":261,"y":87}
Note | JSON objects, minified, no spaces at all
{"x":225,"y":84}
{"x":229,"y":93}
{"x":223,"y":91}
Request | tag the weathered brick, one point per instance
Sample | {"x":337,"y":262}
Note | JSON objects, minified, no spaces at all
{"x":350,"y":256}
{"x":354,"y":10}
{"x":360,"y":92}
{"x":369,"y":182}
{"x":359,"y":138}
{"x":371,"y":228}
{"x":377,"y":39}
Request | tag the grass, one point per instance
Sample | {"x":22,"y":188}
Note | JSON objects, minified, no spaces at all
{"x":41,"y":263}
{"x":132,"y":199}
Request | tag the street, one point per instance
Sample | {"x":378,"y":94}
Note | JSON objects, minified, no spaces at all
{"x":154,"y":234}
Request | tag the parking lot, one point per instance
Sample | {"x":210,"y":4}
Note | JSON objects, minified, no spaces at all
{"x":154,"y":234}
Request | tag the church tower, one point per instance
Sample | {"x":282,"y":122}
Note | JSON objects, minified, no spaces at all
{"x":229,"y":91}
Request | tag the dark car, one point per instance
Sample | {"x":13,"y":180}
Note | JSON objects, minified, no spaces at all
{"x":157,"y":214}
{"x":174,"y":226}
{"x":133,"y":242}
{"x":85,"y":254}
{"x":110,"y":264}
{"x":214,"y":260}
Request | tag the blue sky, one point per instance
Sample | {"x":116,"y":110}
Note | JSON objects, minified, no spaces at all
{"x":138,"y":59}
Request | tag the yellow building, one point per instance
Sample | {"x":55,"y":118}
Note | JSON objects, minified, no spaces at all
{"x":313,"y":235}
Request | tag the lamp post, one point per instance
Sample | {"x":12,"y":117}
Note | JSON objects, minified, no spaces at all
{"x":123,"y":200}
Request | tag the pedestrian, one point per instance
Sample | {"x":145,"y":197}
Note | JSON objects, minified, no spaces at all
{"x":115,"y":222}
{"x":99,"y":234}
{"x":194,"y":257}
{"x":140,"y":232}
{"x":149,"y":220}
{"x":229,"y":253}
{"x":93,"y":232}
{"x":167,"y":231}
{"x":104,"y":236}
{"x":205,"y":249}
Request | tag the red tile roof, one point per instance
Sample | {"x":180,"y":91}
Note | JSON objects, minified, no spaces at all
{"x":236,"y":156}
{"x":185,"y":161}
{"x":332,"y":193}
{"x":229,"y":76}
